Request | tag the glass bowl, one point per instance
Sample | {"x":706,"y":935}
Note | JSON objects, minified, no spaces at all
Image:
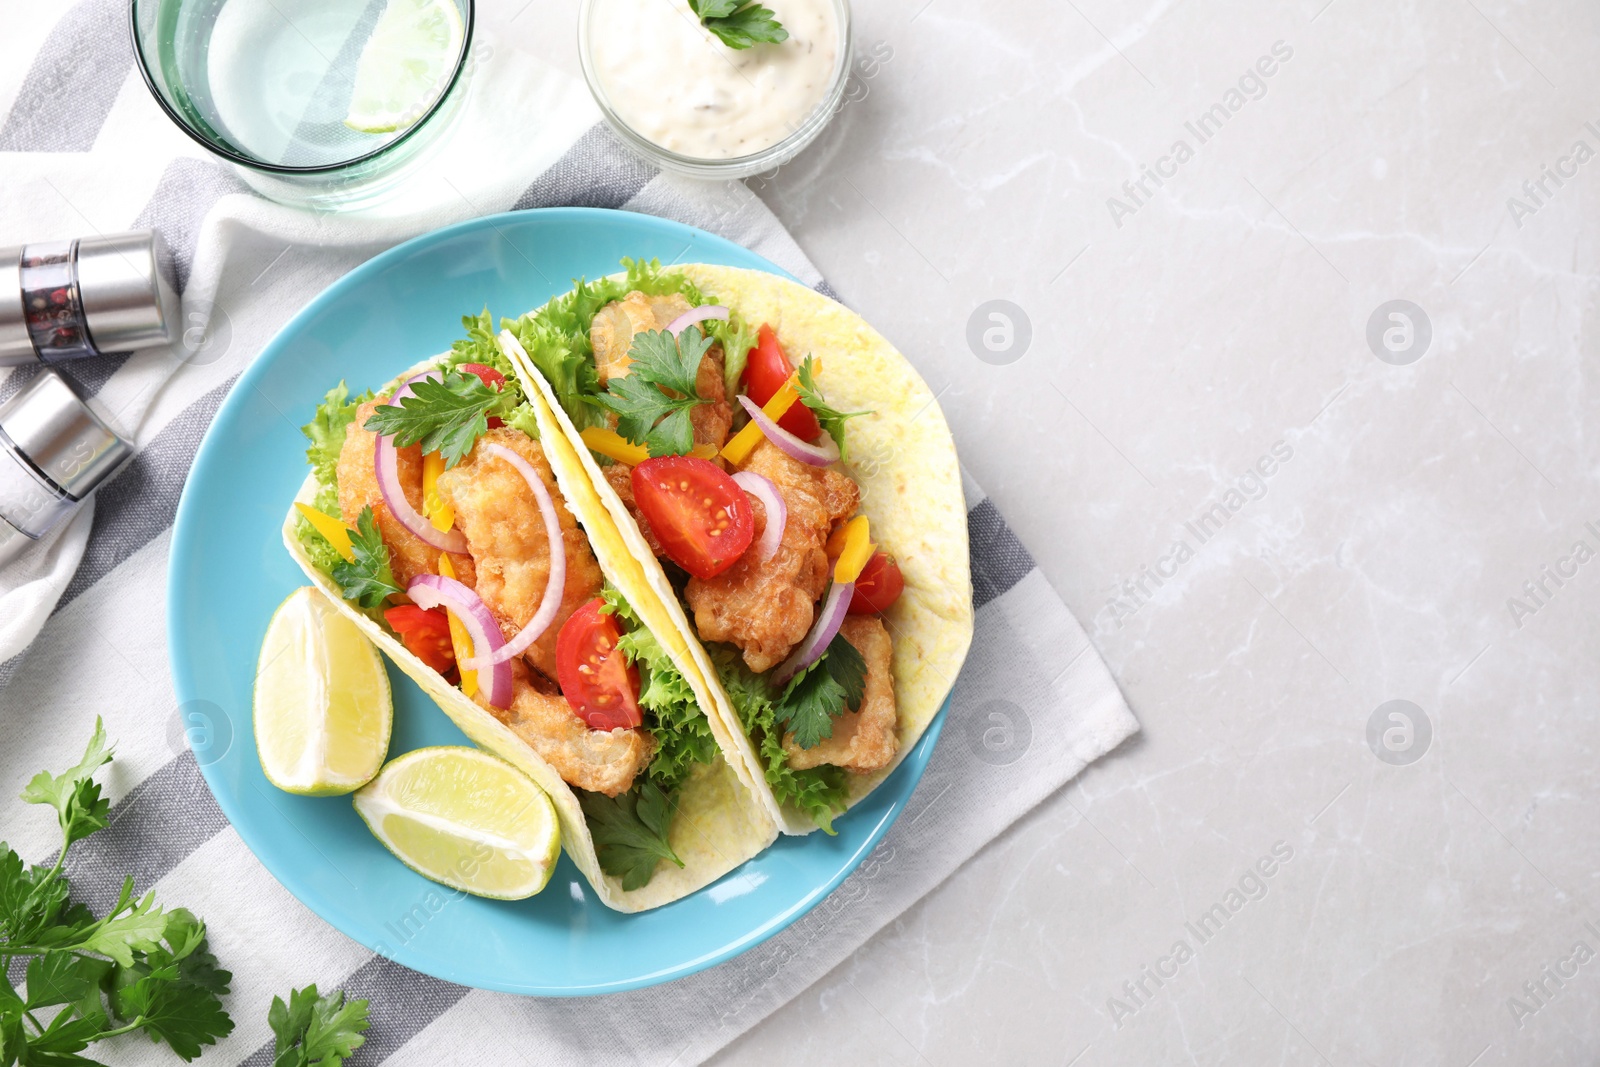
{"x":734,"y":166}
{"x":176,"y":45}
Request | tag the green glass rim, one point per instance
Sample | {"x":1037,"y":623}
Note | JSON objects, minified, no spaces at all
{"x":277,"y":168}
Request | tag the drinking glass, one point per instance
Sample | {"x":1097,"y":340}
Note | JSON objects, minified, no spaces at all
{"x":270,"y":85}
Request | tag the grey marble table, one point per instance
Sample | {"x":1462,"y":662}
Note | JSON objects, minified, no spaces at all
{"x":1294,"y":399}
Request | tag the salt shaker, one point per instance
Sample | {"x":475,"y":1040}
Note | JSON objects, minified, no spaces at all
{"x":54,"y":451}
{"x":89,"y":297}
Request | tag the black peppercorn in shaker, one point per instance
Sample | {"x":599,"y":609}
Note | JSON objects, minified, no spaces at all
{"x":54,"y":450}
{"x":89,"y":297}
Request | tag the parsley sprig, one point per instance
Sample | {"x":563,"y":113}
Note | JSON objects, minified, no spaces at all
{"x":367,"y":579}
{"x":822,"y":692}
{"x":832,"y":419}
{"x":739,"y":23}
{"x":312,"y":1030}
{"x":653,"y":401}
{"x":630,"y":831}
{"x":446,"y":415}
{"x":137,"y":968}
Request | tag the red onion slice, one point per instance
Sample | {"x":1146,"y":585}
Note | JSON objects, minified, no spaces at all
{"x":386,"y":467}
{"x":694,"y":315}
{"x":814,"y":455}
{"x":829,"y":619}
{"x":761,"y":487}
{"x":432,"y":591}
{"x":554,"y":586}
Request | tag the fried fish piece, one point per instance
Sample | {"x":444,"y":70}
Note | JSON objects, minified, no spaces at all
{"x":409,"y":555}
{"x":765,"y":607}
{"x":863,"y":740}
{"x":611,"y":335}
{"x":497,"y":512}
{"x":601,"y":761}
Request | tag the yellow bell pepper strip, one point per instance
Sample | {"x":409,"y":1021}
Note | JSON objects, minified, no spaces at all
{"x":744,"y":442}
{"x":433,"y":506}
{"x":612,"y":445}
{"x":857,"y":550}
{"x":458,"y":633}
{"x":336,"y":532}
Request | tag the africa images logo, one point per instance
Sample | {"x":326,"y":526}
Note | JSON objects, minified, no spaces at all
{"x":1251,"y":886}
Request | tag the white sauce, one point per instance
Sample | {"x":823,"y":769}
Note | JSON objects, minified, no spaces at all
{"x":674,"y":83}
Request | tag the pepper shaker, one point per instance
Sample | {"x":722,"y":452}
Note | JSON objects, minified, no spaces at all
{"x":89,"y":297}
{"x":54,"y":451}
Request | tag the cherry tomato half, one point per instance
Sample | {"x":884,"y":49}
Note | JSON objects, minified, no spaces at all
{"x":426,"y":634}
{"x":766,"y":371}
{"x":702,"y":518}
{"x":879,"y":585}
{"x":597,"y":680}
{"x":490,"y":377}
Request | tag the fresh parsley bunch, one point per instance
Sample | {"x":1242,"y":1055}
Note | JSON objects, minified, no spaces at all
{"x":653,"y":401}
{"x":739,"y":23}
{"x":137,"y":968}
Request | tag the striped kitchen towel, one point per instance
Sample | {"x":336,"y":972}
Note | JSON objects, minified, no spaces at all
{"x":84,"y":149}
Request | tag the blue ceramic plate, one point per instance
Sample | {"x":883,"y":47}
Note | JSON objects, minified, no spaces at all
{"x":229,"y":571}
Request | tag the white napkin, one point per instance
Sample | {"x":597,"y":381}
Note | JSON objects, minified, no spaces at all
{"x":84,"y":149}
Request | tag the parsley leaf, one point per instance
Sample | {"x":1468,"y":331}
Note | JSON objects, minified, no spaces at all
{"x":74,"y":793}
{"x":821,"y":693}
{"x":653,"y":400}
{"x":739,"y":24}
{"x":367,"y":579}
{"x":312,"y":1030}
{"x":630,"y":831}
{"x":446,"y":415}
{"x":831,"y":419}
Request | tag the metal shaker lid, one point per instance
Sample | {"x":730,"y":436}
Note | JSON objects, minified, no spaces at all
{"x":126,"y":284}
{"x":60,"y":436}
{"x":16,"y":346}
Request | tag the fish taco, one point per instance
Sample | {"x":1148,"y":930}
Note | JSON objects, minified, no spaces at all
{"x":442,"y":516}
{"x":790,"y":489}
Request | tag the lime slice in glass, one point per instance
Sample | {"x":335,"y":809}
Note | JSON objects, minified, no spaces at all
{"x":323,"y":712}
{"x":405,"y":65}
{"x":465,"y":819}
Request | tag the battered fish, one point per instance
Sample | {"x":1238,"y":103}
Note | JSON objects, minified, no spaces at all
{"x":863,"y":740}
{"x":504,"y":528}
{"x":602,"y":761}
{"x":766,"y":607}
{"x":409,"y":555}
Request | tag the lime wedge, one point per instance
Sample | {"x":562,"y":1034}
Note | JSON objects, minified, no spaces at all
{"x":405,"y":64}
{"x":465,"y":819}
{"x":322,"y":707}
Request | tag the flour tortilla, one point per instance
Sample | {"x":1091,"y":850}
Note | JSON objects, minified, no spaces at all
{"x":719,"y":824}
{"x":902,"y":456}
